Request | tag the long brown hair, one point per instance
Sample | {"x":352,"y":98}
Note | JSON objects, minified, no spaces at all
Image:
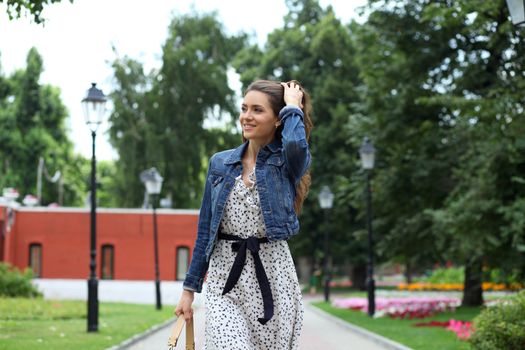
{"x":275,"y":92}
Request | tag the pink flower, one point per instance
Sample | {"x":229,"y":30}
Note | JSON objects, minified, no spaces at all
{"x":462,"y":329}
{"x":411,"y":307}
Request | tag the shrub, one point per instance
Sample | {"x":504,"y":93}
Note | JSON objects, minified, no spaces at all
{"x":497,"y":275}
{"x":14,"y":283}
{"x":501,"y":326}
{"x":446,"y":275}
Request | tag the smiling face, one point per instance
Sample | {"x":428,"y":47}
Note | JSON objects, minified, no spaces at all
{"x":257,"y":118}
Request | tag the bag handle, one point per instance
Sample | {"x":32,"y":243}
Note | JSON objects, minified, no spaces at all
{"x":177,"y":330}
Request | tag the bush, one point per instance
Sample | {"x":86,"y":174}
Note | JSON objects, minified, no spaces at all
{"x":14,"y":283}
{"x":446,"y":275}
{"x":502,"y":276}
{"x":501,"y":326}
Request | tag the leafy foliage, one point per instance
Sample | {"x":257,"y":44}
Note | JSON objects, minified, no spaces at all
{"x":478,"y":219}
{"x":446,"y":275}
{"x":159,"y":119}
{"x":396,"y":51}
{"x":14,"y":283}
{"x":33,"y":8}
{"x":441,"y":94}
{"x":32,"y":125}
{"x":501,"y":326}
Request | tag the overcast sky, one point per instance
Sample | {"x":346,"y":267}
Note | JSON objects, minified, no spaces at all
{"x":76,"y":41}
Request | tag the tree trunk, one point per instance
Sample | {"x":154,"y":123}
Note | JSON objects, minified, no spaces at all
{"x":359,"y":277}
{"x":473,"y":292}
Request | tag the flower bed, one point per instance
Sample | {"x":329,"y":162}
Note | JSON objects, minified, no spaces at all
{"x":426,"y":286}
{"x":412,"y":307}
{"x":462,"y":329}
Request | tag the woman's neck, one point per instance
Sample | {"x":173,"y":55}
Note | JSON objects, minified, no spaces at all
{"x":253,"y":149}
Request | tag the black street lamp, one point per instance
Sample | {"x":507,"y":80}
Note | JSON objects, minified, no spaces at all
{"x":153,"y":182}
{"x":326,"y":199}
{"x":367,"y":153}
{"x":517,"y":11}
{"x":94,"y":106}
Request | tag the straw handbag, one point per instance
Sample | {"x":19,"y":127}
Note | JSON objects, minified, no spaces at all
{"x":177,"y":330}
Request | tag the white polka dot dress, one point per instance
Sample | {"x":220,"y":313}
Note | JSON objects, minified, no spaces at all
{"x":232,"y":319}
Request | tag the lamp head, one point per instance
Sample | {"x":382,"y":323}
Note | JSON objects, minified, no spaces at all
{"x":367,"y":153}
{"x":152,"y":180}
{"x":94,"y":107}
{"x":326,"y":198}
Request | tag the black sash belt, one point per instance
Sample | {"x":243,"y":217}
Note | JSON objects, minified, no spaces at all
{"x":240,"y":246}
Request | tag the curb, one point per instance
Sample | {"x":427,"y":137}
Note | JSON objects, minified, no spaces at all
{"x":376,"y":338}
{"x":138,"y":337}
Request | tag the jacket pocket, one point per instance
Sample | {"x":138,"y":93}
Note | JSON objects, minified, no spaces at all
{"x":276,"y":160}
{"x":216,"y":179}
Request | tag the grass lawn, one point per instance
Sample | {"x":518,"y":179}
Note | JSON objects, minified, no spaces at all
{"x":45,"y":324}
{"x":402,"y":331}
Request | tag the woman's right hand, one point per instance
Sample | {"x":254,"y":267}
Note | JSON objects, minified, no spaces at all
{"x":293,"y":95}
{"x":184,"y":306}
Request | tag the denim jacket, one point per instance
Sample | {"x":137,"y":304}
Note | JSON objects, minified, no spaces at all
{"x":278,"y":168}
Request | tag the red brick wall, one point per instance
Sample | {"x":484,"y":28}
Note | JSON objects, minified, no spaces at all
{"x":65,"y":238}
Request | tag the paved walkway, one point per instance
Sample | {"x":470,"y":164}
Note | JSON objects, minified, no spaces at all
{"x":318,"y":333}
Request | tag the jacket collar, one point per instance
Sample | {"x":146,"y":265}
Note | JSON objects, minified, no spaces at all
{"x":236,"y":155}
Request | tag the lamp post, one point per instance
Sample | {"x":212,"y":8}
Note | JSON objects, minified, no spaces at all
{"x":367,"y":153}
{"x":94,"y":105}
{"x":517,"y":11}
{"x":326,"y":199}
{"x":153,"y":182}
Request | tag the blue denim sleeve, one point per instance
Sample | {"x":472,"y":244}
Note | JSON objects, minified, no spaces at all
{"x":295,"y":147}
{"x":199,"y":266}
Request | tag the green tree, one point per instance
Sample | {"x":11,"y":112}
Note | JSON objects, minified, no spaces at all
{"x":397,"y":53}
{"x":106,"y":189}
{"x":127,"y":132}
{"x":158,"y":119}
{"x":32,"y":120}
{"x":482,"y":214}
{"x":33,"y":8}
{"x":443,"y":96}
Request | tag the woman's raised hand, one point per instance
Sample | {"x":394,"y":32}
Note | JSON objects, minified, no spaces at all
{"x":293,"y":94}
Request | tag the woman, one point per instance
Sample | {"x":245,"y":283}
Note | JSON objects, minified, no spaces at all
{"x":250,"y":204}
